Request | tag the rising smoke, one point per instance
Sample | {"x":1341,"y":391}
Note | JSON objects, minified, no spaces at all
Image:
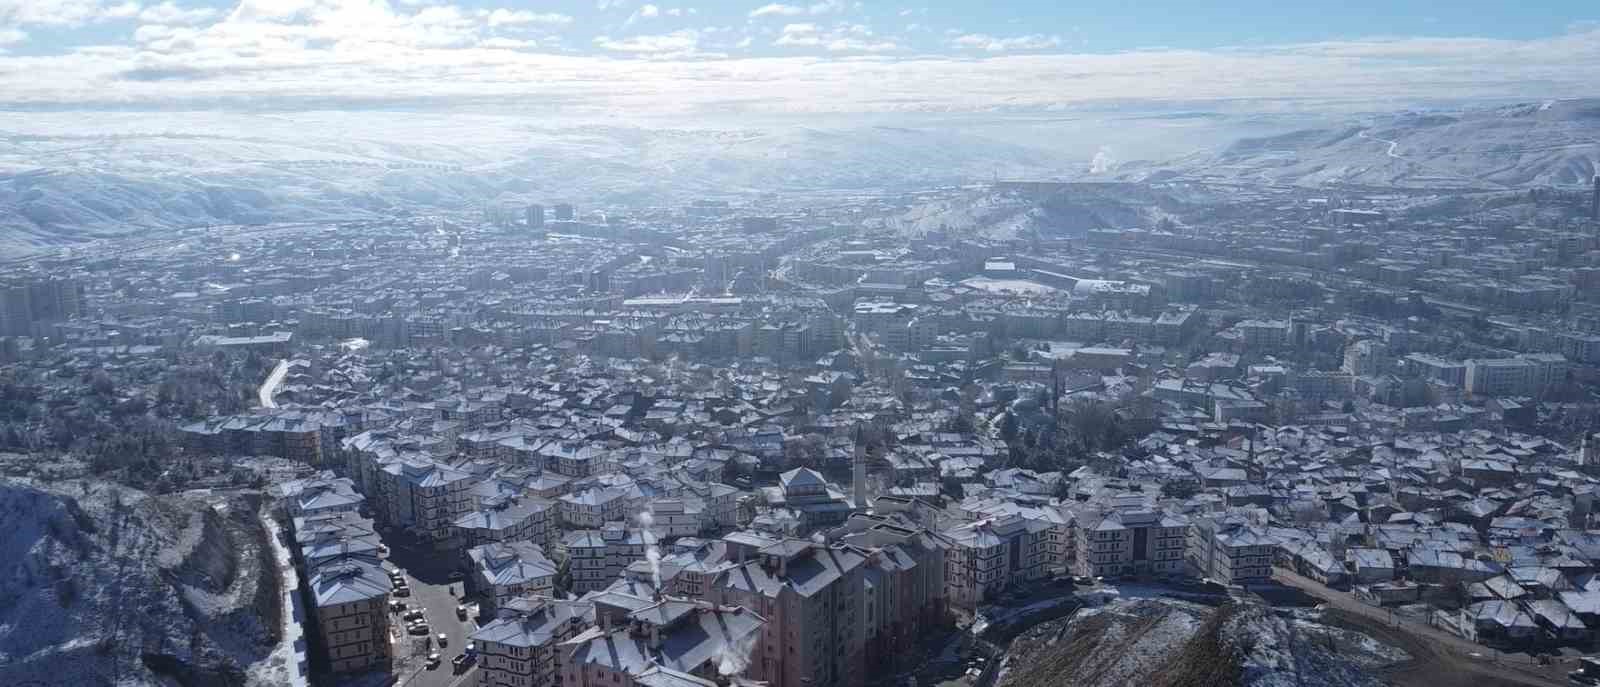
{"x":818,"y":539}
{"x":651,"y":553}
{"x":734,"y":656}
{"x":1102,"y":162}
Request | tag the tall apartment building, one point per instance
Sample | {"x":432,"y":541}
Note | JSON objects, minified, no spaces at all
{"x":1264,"y":334}
{"x":1230,"y":550}
{"x":423,"y":496}
{"x":521,"y":647}
{"x":351,"y":596}
{"x":1443,"y":370}
{"x":596,"y":558}
{"x":1501,"y":377}
{"x":505,"y":519}
{"x":904,"y":587}
{"x":504,"y":571}
{"x":988,"y":555}
{"x":811,"y":597}
{"x":662,"y":642}
{"x":1366,"y":358}
{"x":1122,"y":542}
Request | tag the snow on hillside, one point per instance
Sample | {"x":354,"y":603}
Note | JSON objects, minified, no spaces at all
{"x":1162,"y":642}
{"x":139,"y":172}
{"x":1544,"y":144}
{"x":101,"y":584}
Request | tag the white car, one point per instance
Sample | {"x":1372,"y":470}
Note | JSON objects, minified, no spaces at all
{"x":444,"y":640}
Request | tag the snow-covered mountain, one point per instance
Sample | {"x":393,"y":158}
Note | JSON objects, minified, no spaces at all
{"x":67,"y":178}
{"x":1555,"y":143}
{"x":146,"y":173}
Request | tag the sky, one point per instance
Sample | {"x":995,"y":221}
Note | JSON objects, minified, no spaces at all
{"x":698,"y":57}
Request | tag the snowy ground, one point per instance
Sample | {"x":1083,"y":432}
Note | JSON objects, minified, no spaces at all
{"x":1010,"y":286}
{"x":286,"y":665}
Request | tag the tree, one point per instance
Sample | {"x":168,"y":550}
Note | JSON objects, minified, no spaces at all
{"x":1008,"y":427}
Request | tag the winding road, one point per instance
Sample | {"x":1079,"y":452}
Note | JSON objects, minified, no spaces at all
{"x":269,"y":388}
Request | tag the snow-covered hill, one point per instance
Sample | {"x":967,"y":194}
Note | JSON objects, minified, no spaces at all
{"x":1168,"y":643}
{"x":1554,"y":143}
{"x":103,"y":585}
{"x":149,"y":172}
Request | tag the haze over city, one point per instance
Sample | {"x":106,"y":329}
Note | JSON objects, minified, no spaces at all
{"x":602,"y":343}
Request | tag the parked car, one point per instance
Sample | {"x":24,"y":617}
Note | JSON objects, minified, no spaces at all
{"x":397,"y":606}
{"x":418,"y":630}
{"x":433,"y":660}
{"x":444,"y":640}
{"x":461,"y":612}
{"x":402,"y":591}
{"x":414,"y":614}
{"x":460,"y":661}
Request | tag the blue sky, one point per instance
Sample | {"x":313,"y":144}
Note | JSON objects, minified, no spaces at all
{"x":805,"y":55}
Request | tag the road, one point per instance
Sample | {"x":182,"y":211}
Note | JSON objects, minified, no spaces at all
{"x":269,"y":388}
{"x":288,"y":664}
{"x":432,"y":593}
{"x":1392,"y":144}
{"x":1446,"y":659}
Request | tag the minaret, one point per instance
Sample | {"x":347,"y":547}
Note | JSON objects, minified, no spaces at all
{"x":858,"y":475}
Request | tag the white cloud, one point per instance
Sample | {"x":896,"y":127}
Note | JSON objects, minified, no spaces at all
{"x":859,"y":45}
{"x":992,"y":44}
{"x":777,"y":10}
{"x":505,"y":17}
{"x":503,"y":43}
{"x":782,"y":10}
{"x":680,"y":42}
{"x":70,"y":13}
{"x":368,"y":50}
{"x":9,"y":36}
{"x":126,"y":10}
{"x":646,"y":11}
{"x":170,"y":13}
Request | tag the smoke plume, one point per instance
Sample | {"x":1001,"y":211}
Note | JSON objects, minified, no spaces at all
{"x":1102,"y":162}
{"x":651,"y":552}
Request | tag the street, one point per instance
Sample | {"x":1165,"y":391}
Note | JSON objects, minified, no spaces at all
{"x":1438,"y":658}
{"x":432,"y":593}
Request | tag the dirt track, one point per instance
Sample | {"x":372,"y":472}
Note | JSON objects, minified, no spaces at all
{"x":1437,"y":660}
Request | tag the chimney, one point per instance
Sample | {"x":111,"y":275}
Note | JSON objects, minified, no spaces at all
{"x":858,"y":475}
{"x":1594,"y":200}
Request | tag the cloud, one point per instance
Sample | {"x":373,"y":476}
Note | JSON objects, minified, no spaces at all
{"x":503,"y":43}
{"x":840,"y":38}
{"x":276,"y":53}
{"x":126,"y":10}
{"x":782,"y":10}
{"x":68,"y":13}
{"x":170,"y":13}
{"x":646,"y":11}
{"x":777,"y":10}
{"x":991,"y":44}
{"x":686,"y":41}
{"x":505,"y":17}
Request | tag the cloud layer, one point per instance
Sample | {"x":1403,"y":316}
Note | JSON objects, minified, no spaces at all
{"x":786,"y":58}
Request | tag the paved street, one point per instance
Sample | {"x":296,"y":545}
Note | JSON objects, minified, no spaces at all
{"x":432,"y":593}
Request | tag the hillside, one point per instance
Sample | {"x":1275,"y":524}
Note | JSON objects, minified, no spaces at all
{"x":1165,"y":643}
{"x":139,"y":174}
{"x":1555,"y":143}
{"x":103,"y":585}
